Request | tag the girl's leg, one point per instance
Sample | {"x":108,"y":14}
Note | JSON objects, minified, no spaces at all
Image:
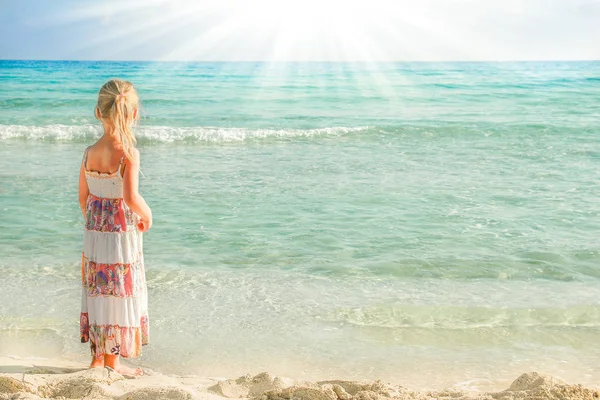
{"x":114,"y":363}
{"x":97,"y":361}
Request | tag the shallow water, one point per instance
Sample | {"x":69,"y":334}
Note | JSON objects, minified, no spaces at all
{"x":427,"y":224}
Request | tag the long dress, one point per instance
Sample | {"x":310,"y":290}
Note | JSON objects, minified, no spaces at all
{"x":114,"y":301}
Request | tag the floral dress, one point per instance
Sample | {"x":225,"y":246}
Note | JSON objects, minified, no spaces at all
{"x":114,"y":301}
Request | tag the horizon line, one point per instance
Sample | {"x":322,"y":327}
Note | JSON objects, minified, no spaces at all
{"x":304,"y":61}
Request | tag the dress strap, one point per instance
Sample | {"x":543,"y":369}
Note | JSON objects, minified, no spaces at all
{"x":85,"y":154}
{"x":121,"y":164}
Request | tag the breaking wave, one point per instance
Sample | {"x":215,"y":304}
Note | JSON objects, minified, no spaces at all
{"x":167,"y":134}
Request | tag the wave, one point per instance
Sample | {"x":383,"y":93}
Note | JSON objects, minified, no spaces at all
{"x":402,"y":316}
{"x":167,"y":134}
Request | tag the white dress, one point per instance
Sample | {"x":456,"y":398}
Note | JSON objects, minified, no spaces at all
{"x":114,"y":301}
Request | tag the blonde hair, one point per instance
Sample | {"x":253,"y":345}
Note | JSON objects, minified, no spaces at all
{"x":117,"y":105}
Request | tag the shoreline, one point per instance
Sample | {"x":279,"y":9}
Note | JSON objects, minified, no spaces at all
{"x":36,"y":378}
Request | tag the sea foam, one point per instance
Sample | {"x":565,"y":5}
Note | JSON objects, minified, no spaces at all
{"x":167,"y":134}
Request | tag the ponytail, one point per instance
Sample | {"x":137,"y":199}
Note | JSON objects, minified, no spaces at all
{"x":118,"y":102}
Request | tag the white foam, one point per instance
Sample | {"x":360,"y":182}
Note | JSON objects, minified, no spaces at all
{"x":49,"y":132}
{"x":166,"y":134}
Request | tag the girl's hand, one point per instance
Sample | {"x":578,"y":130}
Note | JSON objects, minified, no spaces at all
{"x":144,"y":225}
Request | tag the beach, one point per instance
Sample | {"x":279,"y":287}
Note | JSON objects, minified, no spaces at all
{"x":58,"y":379}
{"x":429,"y":225}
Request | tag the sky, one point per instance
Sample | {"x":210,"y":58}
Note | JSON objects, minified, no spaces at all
{"x":306,"y":30}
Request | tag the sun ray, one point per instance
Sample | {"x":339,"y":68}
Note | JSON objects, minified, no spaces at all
{"x":273,"y":31}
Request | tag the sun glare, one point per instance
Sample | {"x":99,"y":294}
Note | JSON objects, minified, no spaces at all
{"x":272,"y":30}
{"x":303,"y":17}
{"x":297,"y":30}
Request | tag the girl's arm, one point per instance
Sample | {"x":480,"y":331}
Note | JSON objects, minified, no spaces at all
{"x":84,"y":191}
{"x":132,"y":197}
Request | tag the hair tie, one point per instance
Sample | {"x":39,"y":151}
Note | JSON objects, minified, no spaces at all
{"x":121,"y":95}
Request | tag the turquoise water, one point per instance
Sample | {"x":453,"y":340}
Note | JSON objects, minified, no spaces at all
{"x":422,"y":223}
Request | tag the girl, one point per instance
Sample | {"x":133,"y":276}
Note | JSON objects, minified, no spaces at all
{"x":114,"y":307}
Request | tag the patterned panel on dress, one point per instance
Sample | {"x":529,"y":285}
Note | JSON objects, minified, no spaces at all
{"x":116,"y":340}
{"x":84,"y":328}
{"x":119,"y":280}
{"x":107,"y":215}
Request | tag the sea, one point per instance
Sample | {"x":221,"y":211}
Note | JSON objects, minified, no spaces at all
{"x":428,"y":224}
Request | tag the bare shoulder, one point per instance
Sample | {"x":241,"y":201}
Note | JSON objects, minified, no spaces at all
{"x":95,"y":149}
{"x":94,"y":145}
{"x":135,"y":153}
{"x":90,"y":148}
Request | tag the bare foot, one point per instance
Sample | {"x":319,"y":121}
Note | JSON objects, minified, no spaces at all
{"x":97,"y":362}
{"x":112,"y":361}
{"x":131,"y":372}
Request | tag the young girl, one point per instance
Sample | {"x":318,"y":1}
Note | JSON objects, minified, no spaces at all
{"x":114,"y":307}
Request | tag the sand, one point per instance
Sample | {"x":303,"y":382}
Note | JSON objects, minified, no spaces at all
{"x":57,"y":379}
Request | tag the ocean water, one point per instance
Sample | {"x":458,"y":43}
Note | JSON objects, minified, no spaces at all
{"x":426,"y":224}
